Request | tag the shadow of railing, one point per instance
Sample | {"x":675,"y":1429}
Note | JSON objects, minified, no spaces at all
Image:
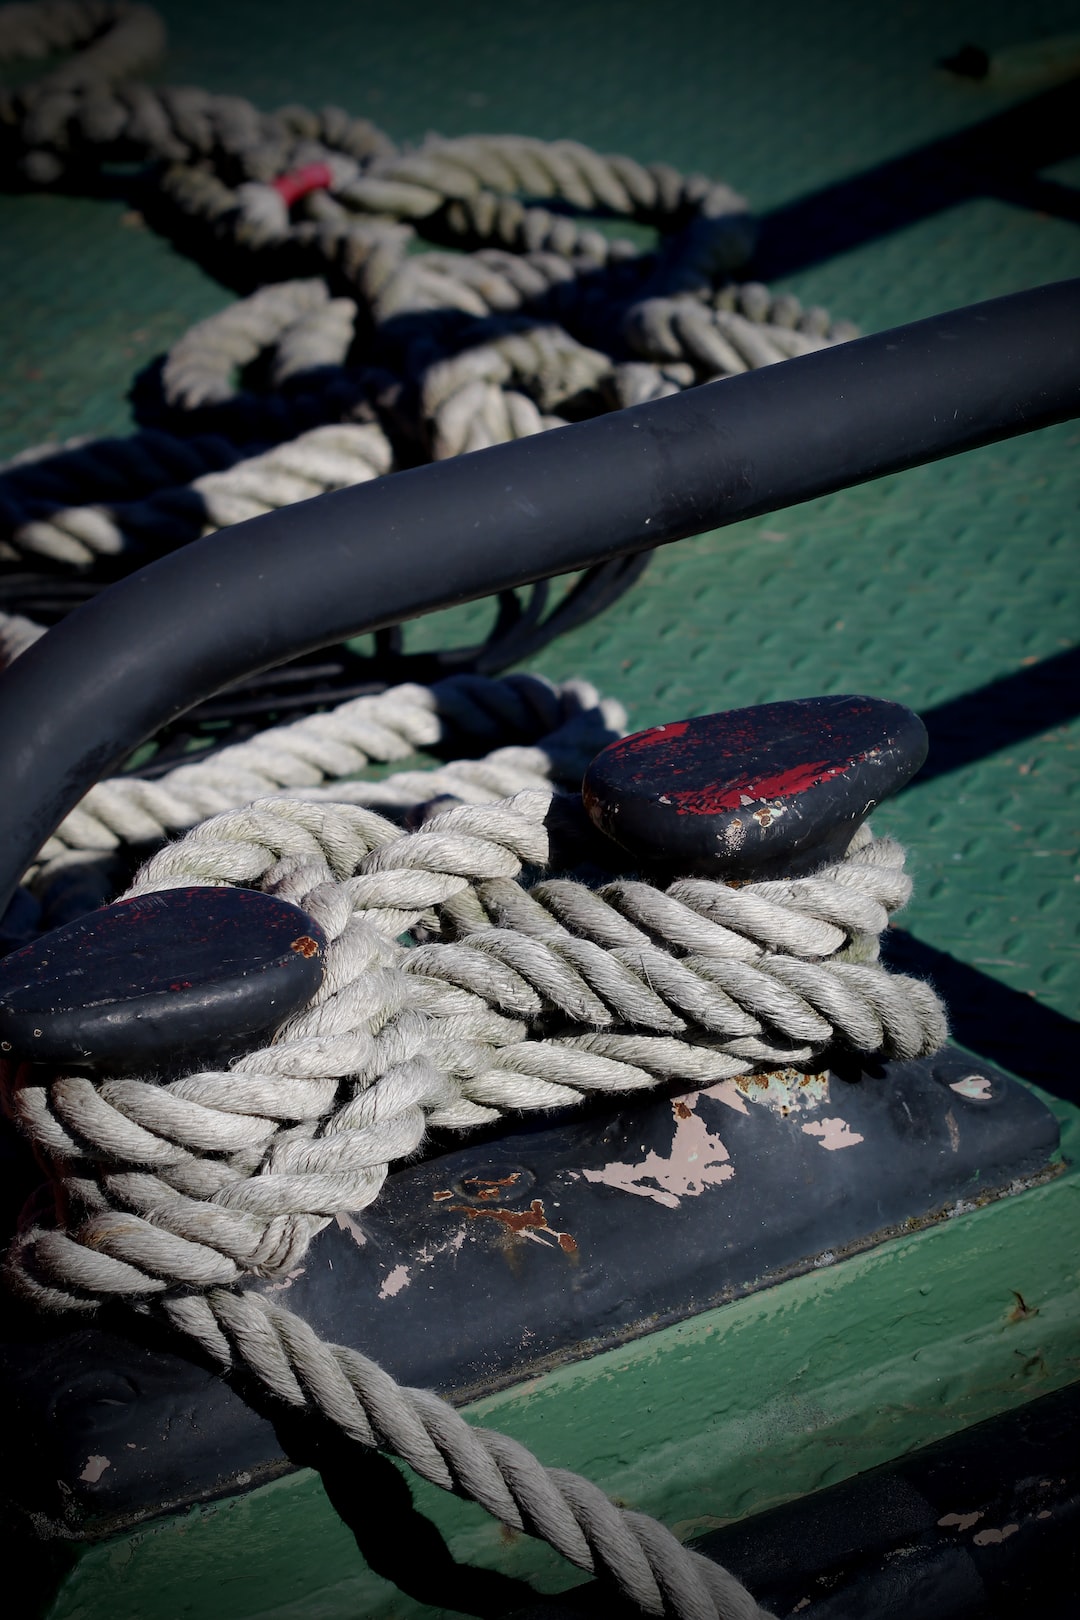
{"x":999,"y":157}
{"x":1001,"y":714}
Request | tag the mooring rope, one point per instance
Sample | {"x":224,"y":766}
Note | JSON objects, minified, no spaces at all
{"x":522,"y":986}
{"x":173,"y":1194}
{"x":548,"y":734}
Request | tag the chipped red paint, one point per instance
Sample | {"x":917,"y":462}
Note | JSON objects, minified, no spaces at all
{"x":739,"y":793}
{"x":707,"y":801}
{"x":641,"y":740}
{"x":305,"y":946}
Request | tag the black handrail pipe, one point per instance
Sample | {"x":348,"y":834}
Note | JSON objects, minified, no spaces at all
{"x":139,"y":654}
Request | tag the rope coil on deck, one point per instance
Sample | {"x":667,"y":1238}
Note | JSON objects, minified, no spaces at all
{"x":372,"y":356}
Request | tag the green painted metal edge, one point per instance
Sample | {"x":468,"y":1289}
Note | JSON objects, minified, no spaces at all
{"x":725,"y":1415}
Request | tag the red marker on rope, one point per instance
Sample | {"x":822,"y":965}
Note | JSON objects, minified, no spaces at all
{"x":312,"y":177}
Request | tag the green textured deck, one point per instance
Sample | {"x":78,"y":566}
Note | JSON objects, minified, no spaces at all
{"x":922,"y":587}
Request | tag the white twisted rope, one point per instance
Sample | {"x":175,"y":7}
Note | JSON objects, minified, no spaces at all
{"x":17,"y":633}
{"x":327,"y":458}
{"x":117,"y":39}
{"x":200,"y":366}
{"x":561,"y":729}
{"x":506,"y":386}
{"x":176,"y":1192}
{"x":468,"y":404}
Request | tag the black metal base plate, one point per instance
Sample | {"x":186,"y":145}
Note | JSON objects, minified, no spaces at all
{"x":487,"y":1263}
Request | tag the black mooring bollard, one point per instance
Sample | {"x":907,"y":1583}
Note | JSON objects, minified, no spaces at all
{"x":161,"y":980}
{"x":770,"y":791}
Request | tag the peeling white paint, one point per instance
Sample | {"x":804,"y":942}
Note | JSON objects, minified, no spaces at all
{"x":727,"y":1092}
{"x":287,"y":1281}
{"x":833,"y":1133}
{"x":95,"y":1467}
{"x":990,"y":1538}
{"x":733,"y":834}
{"x":975,"y":1087}
{"x":354,"y":1229}
{"x":394,"y":1282}
{"x":768,"y":813}
{"x":962,"y":1521}
{"x":541,"y":1234}
{"x":697,"y":1160}
{"x":451,"y":1245}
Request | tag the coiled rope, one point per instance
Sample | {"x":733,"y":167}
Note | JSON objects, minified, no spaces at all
{"x":371,"y":356}
{"x":173,"y":1194}
{"x":522,"y":987}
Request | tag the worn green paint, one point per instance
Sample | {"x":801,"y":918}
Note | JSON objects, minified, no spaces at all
{"x":734,"y":1411}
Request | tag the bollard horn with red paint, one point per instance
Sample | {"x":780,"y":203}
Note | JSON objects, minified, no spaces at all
{"x":771,"y":791}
